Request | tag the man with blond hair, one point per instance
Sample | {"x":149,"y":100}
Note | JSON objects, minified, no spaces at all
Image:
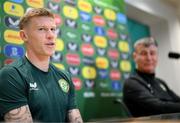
{"x":32,"y":89}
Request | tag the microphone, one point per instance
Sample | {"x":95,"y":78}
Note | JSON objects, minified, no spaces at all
{"x":174,"y":55}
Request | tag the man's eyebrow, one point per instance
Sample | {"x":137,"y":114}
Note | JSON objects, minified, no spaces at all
{"x":47,"y":26}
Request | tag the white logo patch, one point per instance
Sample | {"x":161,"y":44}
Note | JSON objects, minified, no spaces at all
{"x":33,"y":86}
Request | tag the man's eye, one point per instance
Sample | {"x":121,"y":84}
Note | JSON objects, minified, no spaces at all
{"x":41,"y":29}
{"x":53,"y":29}
{"x":143,"y":53}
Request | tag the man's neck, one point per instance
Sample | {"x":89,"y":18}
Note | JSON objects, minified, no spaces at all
{"x":40,"y":62}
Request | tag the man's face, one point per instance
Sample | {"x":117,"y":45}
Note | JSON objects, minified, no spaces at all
{"x":40,"y":36}
{"x":146,"y":58}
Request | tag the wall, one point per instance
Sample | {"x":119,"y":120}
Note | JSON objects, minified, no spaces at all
{"x":164,"y":25}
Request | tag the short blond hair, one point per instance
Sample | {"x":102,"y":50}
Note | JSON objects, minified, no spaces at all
{"x":147,"y":41}
{"x":34,"y":12}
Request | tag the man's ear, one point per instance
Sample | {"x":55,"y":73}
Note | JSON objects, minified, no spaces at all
{"x":134,"y":56}
{"x":23,"y":35}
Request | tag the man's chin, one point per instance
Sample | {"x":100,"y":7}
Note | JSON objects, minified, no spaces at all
{"x":50,"y":53}
{"x":149,"y":71}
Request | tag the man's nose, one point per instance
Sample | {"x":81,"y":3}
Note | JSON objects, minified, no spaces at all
{"x":50,"y":33}
{"x":148,"y":55}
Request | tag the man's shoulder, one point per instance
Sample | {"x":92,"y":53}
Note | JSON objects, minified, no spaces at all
{"x":61,"y":72}
{"x":135,"y":80}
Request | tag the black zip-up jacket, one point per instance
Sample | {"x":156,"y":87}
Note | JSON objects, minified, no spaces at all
{"x":144,"y":95}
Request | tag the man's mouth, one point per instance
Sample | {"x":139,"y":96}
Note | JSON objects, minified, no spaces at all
{"x":50,"y":44}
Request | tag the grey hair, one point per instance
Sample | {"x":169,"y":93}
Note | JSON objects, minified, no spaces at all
{"x":147,"y":41}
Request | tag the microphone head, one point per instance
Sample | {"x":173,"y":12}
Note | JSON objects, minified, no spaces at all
{"x":174,"y":55}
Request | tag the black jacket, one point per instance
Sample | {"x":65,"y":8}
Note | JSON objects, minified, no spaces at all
{"x":144,"y":95}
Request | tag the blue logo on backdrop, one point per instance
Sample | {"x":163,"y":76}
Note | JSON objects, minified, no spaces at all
{"x":121,"y":18}
{"x":13,"y":51}
{"x":116,"y":85}
{"x":99,"y":31}
{"x":85,"y":16}
{"x":103,"y":73}
{"x":17,"y":1}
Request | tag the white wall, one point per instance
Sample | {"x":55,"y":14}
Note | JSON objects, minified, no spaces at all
{"x":165,"y":27}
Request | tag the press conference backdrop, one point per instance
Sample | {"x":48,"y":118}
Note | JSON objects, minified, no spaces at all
{"x":92,"y":44}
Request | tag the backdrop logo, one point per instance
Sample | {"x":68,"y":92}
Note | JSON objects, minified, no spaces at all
{"x":102,"y":63}
{"x":116,"y":85}
{"x":17,"y":1}
{"x":110,"y":14}
{"x":71,"y":46}
{"x":98,"y":10}
{"x":71,"y":23}
{"x":98,"y":20}
{"x":115,"y":75}
{"x":55,"y":7}
{"x":58,"y":32}
{"x":125,"y":66}
{"x":113,"y":54}
{"x":58,"y":19}
{"x":112,"y":43}
{"x":59,"y":45}
{"x":89,"y":72}
{"x":56,"y":1}
{"x":87,"y":49}
{"x":73,"y":59}
{"x":12,"y":36}
{"x":103,"y":73}
{"x":12,"y":22}
{"x":71,"y":35}
{"x":57,"y":57}
{"x":124,"y":56}
{"x":111,"y":24}
{"x":123,"y":36}
{"x":89,"y":84}
{"x":71,"y":2}
{"x":101,"y":51}
{"x":77,"y":83}
{"x":74,"y":70}
{"x":100,"y":41}
{"x":99,"y":31}
{"x":8,"y":61}
{"x":104,"y":85}
{"x":86,"y":37}
{"x":70,"y":12}
{"x":13,"y":9}
{"x":112,"y":34}
{"x":13,"y":51}
{"x":84,"y":6}
{"x":85,"y":27}
{"x":60,"y":66}
{"x":123,"y":46}
{"x":126,"y":75}
{"x":88,"y":60}
{"x":114,"y":63}
{"x":85,"y":16}
{"x":35,"y":3}
{"x":121,"y":18}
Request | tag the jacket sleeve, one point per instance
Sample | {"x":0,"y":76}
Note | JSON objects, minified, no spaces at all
{"x":137,"y":95}
{"x":170,"y":92}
